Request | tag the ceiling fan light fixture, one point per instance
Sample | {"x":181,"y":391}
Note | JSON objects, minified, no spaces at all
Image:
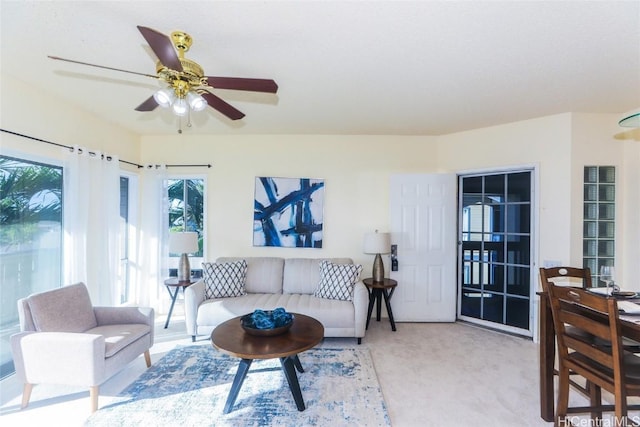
{"x":164,"y":97}
{"x":180,"y":107}
{"x":196,"y":101}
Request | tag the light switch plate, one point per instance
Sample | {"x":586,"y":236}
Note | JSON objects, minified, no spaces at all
{"x":551,"y":263}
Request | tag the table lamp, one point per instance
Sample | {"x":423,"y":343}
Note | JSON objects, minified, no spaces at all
{"x":183,"y":243}
{"x":377,"y":243}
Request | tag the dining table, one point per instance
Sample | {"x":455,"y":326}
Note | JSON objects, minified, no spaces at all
{"x":630,"y":327}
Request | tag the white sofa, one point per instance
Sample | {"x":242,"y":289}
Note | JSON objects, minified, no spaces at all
{"x":280,"y":282}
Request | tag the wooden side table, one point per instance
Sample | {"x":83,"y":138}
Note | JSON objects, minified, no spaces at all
{"x":176,"y":284}
{"x":377,"y":292}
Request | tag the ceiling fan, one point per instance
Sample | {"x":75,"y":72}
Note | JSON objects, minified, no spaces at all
{"x":187,"y":86}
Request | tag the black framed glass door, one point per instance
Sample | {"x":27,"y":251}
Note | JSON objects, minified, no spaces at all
{"x":494,"y":261}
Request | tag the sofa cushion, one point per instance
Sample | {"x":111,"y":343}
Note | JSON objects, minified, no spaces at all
{"x":337,"y":280}
{"x":225,"y":279}
{"x":67,"y":309}
{"x":302,"y":275}
{"x":264,"y":274}
{"x":331,"y":313}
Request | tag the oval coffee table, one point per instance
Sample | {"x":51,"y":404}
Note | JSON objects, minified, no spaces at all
{"x":229,"y":337}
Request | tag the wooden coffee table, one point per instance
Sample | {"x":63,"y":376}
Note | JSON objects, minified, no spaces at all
{"x":229,"y":337}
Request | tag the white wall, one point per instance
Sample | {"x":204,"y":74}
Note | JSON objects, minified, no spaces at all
{"x":26,"y":111}
{"x":595,"y":141}
{"x":37,"y":115}
{"x":629,"y":233}
{"x":356,"y":171}
{"x":559,"y":147}
{"x":544,"y":143}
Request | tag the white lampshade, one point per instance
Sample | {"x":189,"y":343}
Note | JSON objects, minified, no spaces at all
{"x":377,"y":243}
{"x":180,"y":107}
{"x":196,"y":101}
{"x":183,"y":243}
{"x":164,"y":97}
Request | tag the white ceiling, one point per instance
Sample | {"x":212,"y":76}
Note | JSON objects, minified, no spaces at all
{"x":343,"y":67}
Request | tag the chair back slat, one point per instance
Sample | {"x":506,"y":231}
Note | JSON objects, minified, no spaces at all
{"x":569,"y":316}
{"x":569,"y":276}
{"x":602,"y":355}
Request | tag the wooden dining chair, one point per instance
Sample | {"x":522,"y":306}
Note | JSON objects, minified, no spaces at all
{"x":603,"y":367}
{"x":569,"y":276}
{"x":579,"y":277}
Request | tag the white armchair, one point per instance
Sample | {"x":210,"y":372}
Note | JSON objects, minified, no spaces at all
{"x":65,"y":340}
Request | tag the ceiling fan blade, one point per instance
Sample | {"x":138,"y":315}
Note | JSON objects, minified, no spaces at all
{"x":149,"y":105}
{"x":162,"y":47}
{"x":239,"y":83}
{"x":57,"y":58}
{"x":222,"y":106}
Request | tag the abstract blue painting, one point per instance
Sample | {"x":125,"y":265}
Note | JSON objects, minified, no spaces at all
{"x":288,"y":212}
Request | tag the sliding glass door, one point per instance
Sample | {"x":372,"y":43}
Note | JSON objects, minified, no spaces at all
{"x":494,"y":259}
{"x":30,"y":239}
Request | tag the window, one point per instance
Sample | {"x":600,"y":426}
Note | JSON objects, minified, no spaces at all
{"x":123,"y":292}
{"x":30,"y":239}
{"x":186,"y":210}
{"x":128,"y":194}
{"x":598,"y":237}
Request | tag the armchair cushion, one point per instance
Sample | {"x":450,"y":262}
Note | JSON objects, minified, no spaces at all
{"x":117,"y":337}
{"x":67,"y":309}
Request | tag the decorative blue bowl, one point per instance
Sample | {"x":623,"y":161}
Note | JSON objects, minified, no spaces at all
{"x":248,"y":324}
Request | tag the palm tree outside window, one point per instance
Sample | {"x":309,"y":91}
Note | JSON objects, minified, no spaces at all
{"x":186,"y":211}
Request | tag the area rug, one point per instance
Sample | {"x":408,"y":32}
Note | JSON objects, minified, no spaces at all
{"x":190,"y":384}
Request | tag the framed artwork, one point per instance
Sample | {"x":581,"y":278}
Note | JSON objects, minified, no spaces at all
{"x":288,"y":212}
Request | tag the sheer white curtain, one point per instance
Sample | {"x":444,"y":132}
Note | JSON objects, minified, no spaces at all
{"x":152,"y":235}
{"x":91,"y":222}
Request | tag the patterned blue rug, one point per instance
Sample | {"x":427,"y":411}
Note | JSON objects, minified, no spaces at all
{"x":189,"y":387}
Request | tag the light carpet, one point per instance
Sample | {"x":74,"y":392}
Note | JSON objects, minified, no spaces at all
{"x":190,"y":384}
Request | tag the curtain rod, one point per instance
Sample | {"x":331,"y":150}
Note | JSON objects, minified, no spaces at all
{"x":208,"y":165}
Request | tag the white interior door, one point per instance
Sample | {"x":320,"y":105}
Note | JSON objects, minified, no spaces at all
{"x":423,"y":225}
